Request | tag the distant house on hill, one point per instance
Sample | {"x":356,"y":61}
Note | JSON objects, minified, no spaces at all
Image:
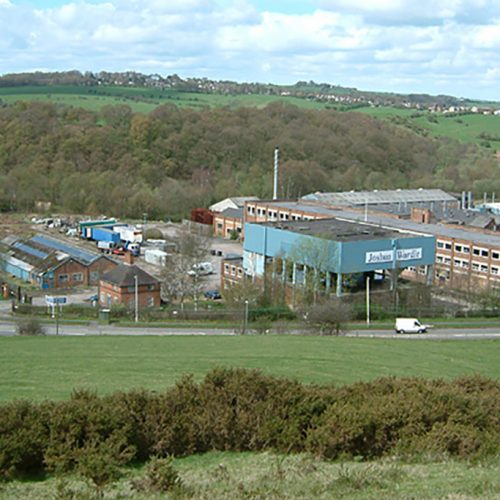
{"x":120,"y":285}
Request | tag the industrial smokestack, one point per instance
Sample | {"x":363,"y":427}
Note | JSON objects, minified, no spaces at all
{"x":492,"y":197}
{"x":276,"y":168}
{"x":469,"y":203}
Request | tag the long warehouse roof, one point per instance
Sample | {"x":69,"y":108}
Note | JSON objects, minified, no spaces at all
{"x":391,"y":222}
{"x":380,"y":196}
{"x":83,"y":256}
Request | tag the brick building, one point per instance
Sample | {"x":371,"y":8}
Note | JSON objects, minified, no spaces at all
{"x":52,"y":263}
{"x":229,"y":223}
{"x":120,"y":286}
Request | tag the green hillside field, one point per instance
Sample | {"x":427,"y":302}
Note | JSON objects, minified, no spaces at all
{"x":49,"y":367}
{"x":465,"y":128}
{"x":141,"y":100}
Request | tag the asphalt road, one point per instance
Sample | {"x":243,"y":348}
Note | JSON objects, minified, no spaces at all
{"x":8,"y":328}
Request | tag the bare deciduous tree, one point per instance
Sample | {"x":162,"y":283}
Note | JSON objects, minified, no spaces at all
{"x":237,"y":294}
{"x":178,"y":282}
{"x":318,"y":255}
{"x":329,"y":317}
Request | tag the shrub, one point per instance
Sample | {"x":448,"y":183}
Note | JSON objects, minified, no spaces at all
{"x":83,"y":420}
{"x":161,"y":476}
{"x":271,"y":313}
{"x":153,"y":233}
{"x":30,"y":326}
{"x":236,"y":409}
{"x":99,"y":461}
{"x":329,"y":317}
{"x":23,"y":438}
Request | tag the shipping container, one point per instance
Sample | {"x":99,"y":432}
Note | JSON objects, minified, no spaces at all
{"x":105,"y":234}
{"x":202,"y":216}
{"x":155,"y":256}
{"x":85,"y":227}
{"x":129,"y":233}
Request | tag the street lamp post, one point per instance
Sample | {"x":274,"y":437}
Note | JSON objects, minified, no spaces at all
{"x":368,"y":301}
{"x":136,"y":296}
{"x":245,"y":318}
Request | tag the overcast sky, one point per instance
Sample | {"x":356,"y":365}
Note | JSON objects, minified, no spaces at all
{"x":432,"y":46}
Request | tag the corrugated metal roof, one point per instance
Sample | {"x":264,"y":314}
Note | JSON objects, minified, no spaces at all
{"x":354,"y":198}
{"x":20,"y":264}
{"x":80,"y":254}
{"x":30,"y":250}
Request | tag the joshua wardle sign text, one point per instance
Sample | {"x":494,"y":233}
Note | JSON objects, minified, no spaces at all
{"x":388,"y":255}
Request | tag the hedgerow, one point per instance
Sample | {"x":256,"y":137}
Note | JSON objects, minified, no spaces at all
{"x":234,"y":409}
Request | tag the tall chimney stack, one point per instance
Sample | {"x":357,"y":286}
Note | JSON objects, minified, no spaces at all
{"x":276,"y":168}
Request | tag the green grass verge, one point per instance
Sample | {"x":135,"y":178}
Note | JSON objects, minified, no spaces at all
{"x":222,"y":475}
{"x":51,"y":367}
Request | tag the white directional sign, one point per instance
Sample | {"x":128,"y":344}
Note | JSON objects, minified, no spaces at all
{"x":52,"y":301}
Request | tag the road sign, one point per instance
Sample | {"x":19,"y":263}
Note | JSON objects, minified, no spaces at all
{"x":52,"y":301}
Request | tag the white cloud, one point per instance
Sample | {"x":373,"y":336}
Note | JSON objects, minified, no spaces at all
{"x":394,"y":45}
{"x":416,"y":12}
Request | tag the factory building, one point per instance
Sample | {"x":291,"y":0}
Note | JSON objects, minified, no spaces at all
{"x":467,"y":251}
{"x":327,"y":251}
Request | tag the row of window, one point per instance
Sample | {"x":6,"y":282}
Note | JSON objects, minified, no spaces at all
{"x":464,"y":264}
{"x":274,"y":215}
{"x":78,"y":277}
{"x":419,"y":269}
{"x":220,"y":225}
{"x":233,"y":270}
{"x":460,"y":248}
{"x":64,"y":278}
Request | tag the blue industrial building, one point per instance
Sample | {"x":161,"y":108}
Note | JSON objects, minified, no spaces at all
{"x":328,"y":250}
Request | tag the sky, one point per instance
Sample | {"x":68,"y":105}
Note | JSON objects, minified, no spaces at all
{"x":407,"y":46}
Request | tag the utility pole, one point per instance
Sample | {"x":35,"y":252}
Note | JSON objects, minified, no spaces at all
{"x":136,"y":298}
{"x":368,"y":301}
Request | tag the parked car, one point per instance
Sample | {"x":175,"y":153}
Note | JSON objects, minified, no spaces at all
{"x":409,"y":325}
{"x":212,"y":295}
{"x":93,"y":299}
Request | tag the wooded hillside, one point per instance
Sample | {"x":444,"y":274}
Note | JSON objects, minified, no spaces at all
{"x":173,"y":159}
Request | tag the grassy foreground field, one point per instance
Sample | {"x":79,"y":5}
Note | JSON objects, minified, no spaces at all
{"x":51,"y":367}
{"x":266,"y":475}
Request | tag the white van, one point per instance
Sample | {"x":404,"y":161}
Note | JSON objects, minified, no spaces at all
{"x":409,"y":325}
{"x":201,"y":269}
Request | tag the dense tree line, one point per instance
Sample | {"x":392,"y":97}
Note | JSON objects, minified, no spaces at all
{"x":172,"y":159}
